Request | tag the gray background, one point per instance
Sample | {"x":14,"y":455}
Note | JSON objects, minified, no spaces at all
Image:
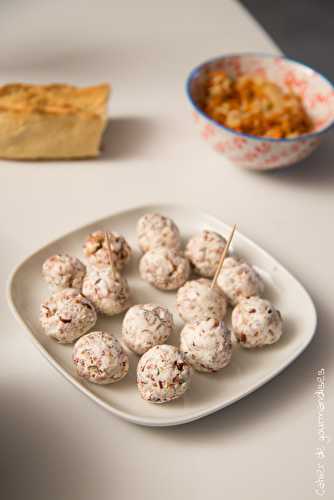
{"x":303,"y":29}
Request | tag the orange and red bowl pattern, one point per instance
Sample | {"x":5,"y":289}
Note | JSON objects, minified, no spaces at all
{"x":263,"y":153}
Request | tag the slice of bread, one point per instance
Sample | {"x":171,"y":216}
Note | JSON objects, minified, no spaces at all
{"x":51,"y":121}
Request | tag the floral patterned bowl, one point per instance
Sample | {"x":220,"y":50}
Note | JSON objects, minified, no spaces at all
{"x":263,"y":153}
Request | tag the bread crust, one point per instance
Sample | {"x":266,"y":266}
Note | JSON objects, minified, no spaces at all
{"x":56,"y":121}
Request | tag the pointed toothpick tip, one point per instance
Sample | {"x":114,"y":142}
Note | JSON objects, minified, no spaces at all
{"x":111,"y":263}
{"x":222,"y":258}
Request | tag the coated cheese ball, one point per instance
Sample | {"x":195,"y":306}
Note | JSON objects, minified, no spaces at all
{"x":155,"y":230}
{"x":196,"y":300}
{"x":98,"y":357}
{"x":67,"y":315}
{"x":96,"y":250}
{"x":163,"y":374}
{"x":206,"y":345}
{"x":204,"y":252}
{"x":145,"y":326}
{"x":63,"y":271}
{"x":164,"y":268}
{"x":256,"y":322}
{"x":238,"y":279}
{"x":107,"y":290}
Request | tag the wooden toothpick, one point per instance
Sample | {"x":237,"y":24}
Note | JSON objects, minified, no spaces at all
{"x":106,"y":236}
{"x":222,"y":258}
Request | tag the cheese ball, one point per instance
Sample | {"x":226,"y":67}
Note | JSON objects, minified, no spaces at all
{"x":196,"y":300}
{"x":204,"y":252}
{"x":164,"y":268}
{"x":67,"y":315}
{"x":63,"y":271}
{"x":98,"y":357}
{"x":107,"y":290}
{"x":97,"y":254}
{"x":238,"y":279}
{"x":145,"y":326}
{"x":163,"y":374}
{"x":155,"y":230}
{"x":206,"y":345}
{"x":256,"y":322}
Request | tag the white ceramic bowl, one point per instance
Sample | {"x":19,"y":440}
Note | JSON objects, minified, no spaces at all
{"x":262,"y":153}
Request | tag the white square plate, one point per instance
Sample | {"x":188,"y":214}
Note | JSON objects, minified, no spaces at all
{"x":248,"y":370}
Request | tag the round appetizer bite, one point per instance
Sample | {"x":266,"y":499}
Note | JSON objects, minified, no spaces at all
{"x":98,"y":357}
{"x":155,"y":230}
{"x":238,"y":279}
{"x":107,"y":290}
{"x":67,"y":315}
{"x":145,"y":326}
{"x":204,"y":252}
{"x":96,"y":249}
{"x":206,"y":345}
{"x":164,"y":268}
{"x":256,"y":322}
{"x":63,"y":271}
{"x":163,"y":374}
{"x":196,"y":300}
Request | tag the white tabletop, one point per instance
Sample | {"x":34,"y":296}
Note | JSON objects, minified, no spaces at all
{"x":57,"y":444}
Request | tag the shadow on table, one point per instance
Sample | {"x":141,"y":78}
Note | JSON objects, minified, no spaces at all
{"x":128,"y":137}
{"x":254,"y":411}
{"x":316,"y":170}
{"x":41,"y":457}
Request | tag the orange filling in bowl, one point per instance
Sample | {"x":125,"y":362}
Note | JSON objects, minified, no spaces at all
{"x":253,"y":105}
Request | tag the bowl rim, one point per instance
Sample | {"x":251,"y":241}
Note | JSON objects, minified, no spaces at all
{"x":307,"y":68}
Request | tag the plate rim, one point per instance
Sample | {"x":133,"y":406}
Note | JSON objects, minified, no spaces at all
{"x":147,"y":421}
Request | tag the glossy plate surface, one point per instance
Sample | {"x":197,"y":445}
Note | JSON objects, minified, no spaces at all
{"x":249,"y":369}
